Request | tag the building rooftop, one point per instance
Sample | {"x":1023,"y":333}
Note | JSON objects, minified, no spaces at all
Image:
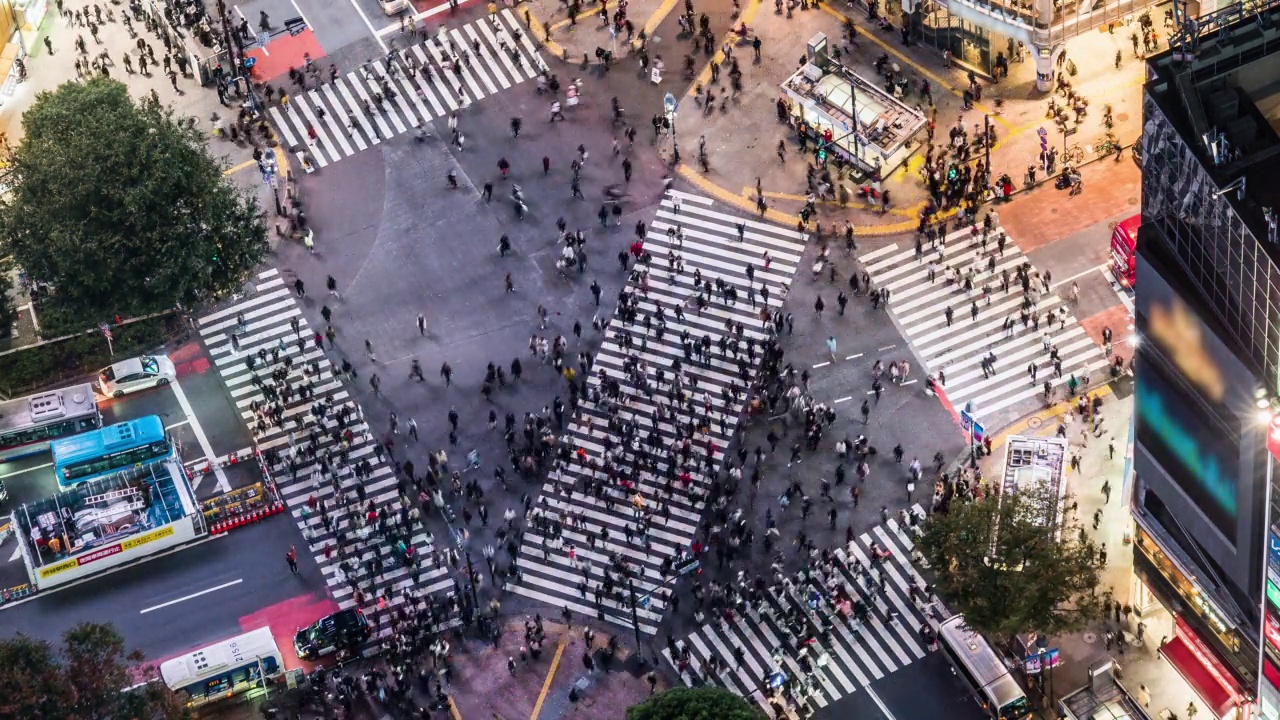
{"x":1219,"y":85}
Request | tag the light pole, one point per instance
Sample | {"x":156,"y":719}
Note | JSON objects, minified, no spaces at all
{"x":635,"y":618}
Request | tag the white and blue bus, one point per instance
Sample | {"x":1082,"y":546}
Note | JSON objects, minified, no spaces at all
{"x":232,"y":667}
{"x":95,"y":454}
{"x":29,"y":424}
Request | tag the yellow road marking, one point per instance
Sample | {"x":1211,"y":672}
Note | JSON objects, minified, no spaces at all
{"x":750,"y":194}
{"x":539,"y":33}
{"x":918,"y":67}
{"x":584,"y":12}
{"x":1051,"y":413}
{"x":237,"y":168}
{"x":551,"y":674}
{"x":655,"y":20}
{"x":453,"y":710}
{"x":704,"y":76}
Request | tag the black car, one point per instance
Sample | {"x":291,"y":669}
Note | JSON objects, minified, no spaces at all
{"x":343,"y":630}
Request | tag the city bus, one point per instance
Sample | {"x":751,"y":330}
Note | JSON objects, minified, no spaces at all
{"x":994,"y":688}
{"x":225,"y":669}
{"x":1124,"y":251}
{"x":132,"y":443}
{"x":28,"y":424}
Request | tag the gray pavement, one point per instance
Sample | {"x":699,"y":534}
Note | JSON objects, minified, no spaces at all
{"x":263,"y":590}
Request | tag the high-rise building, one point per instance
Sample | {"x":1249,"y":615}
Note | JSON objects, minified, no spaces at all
{"x":1208,"y":360}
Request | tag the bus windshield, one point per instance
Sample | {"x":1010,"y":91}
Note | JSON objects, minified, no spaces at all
{"x":1017,"y":709}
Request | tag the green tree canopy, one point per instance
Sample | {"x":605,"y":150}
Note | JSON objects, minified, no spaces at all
{"x":82,"y":680}
{"x":1015,"y":566}
{"x":122,"y":208}
{"x":705,"y":703}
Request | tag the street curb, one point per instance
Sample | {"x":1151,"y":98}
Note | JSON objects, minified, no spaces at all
{"x":539,"y":33}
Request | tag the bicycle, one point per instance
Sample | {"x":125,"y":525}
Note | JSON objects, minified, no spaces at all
{"x":1073,"y":155}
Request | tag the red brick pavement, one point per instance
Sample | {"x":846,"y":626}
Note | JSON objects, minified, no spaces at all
{"x":1118,"y":319}
{"x":1046,"y":214}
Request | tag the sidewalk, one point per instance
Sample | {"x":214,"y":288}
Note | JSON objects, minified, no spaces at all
{"x":570,"y":40}
{"x":741,"y":141}
{"x":484,"y":688}
{"x":1139,"y":661}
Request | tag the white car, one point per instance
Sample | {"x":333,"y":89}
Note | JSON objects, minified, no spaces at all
{"x":140,"y":373}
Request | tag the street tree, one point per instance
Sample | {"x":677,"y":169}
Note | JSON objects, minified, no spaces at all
{"x":121,"y":207}
{"x":1016,"y":564}
{"x":704,"y":703}
{"x":81,"y":680}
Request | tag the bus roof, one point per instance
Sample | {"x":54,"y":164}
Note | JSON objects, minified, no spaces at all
{"x":108,"y":439}
{"x":69,"y":402}
{"x":973,"y":650}
{"x":191,"y":667}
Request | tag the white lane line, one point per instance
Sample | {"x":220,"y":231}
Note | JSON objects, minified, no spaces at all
{"x":821,"y":364}
{"x":854,"y":357}
{"x":1103,"y":267}
{"x":223,"y":484}
{"x":15,"y":473}
{"x":369,"y":25}
{"x":177,"y":424}
{"x":184,"y":598}
{"x":846,"y":398}
{"x":420,"y":17}
{"x":303,"y":16}
{"x":880,"y":703}
{"x":285,"y":130}
{"x":908,"y":382}
{"x":886,"y":347}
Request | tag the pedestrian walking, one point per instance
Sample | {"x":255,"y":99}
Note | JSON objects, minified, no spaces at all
{"x":291,"y":557}
{"x":422,"y":324}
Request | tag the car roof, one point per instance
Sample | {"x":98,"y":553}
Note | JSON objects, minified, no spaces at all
{"x":127,"y":367}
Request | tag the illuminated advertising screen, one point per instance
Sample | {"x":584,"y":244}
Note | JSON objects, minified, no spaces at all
{"x":1195,"y":453}
{"x":1269,"y":697}
{"x":1190,"y":400}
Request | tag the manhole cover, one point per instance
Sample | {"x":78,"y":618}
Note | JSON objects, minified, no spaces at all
{"x":1132,"y":201}
{"x":1035,"y":422}
{"x":1089,"y":637}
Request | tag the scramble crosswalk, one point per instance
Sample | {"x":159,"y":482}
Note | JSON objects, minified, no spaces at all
{"x":752,"y":648}
{"x":719,"y":246}
{"x":268,"y":315}
{"x":957,"y":348}
{"x":429,"y":80}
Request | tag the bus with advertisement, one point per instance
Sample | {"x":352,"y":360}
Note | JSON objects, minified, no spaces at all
{"x":1124,"y":251}
{"x":98,"y":453}
{"x":107,"y":522}
{"x":29,"y":424}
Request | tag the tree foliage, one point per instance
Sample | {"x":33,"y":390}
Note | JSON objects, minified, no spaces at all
{"x":122,"y":208}
{"x":82,"y":680}
{"x":1015,"y":566}
{"x":705,"y":703}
